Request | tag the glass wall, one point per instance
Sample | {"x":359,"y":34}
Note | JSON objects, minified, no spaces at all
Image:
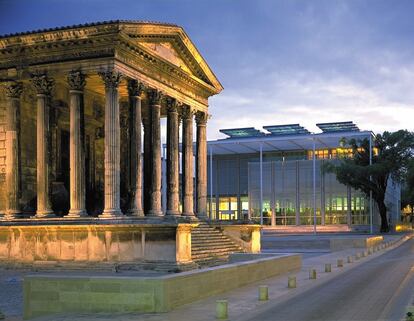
{"x":254,"y":196}
{"x":288,"y":193}
{"x":285,"y":175}
{"x":305,"y":190}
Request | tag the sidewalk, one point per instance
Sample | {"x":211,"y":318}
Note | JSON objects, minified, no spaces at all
{"x":245,"y":299}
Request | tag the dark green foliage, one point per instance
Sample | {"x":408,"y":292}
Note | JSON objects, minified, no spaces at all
{"x":391,"y":158}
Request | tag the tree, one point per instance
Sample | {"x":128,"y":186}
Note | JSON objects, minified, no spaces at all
{"x":390,"y":159}
{"x":407,"y":193}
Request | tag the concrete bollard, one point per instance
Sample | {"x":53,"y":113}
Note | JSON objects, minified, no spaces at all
{"x":340,"y":263}
{"x":364,"y":253}
{"x":263,"y":293}
{"x":292,"y":282}
{"x":328,"y":268}
{"x":370,"y":251}
{"x":358,"y":256}
{"x":221,"y":309}
{"x":312,"y":274}
{"x":350,"y":259}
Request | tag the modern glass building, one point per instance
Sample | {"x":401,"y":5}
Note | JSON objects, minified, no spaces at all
{"x":275,"y":177}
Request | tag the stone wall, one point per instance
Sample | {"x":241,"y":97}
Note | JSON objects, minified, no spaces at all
{"x":47,"y":294}
{"x":95,"y":243}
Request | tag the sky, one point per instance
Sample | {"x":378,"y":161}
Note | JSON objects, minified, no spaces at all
{"x":279,"y":61}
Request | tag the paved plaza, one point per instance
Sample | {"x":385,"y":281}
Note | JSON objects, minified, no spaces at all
{"x":331,"y":289}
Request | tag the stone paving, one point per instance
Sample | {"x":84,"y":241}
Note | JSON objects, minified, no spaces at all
{"x":240,"y":300}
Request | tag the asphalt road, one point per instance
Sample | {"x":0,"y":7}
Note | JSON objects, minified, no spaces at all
{"x":376,"y":290}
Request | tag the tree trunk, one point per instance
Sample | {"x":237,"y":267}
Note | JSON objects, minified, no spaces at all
{"x":383,"y":214}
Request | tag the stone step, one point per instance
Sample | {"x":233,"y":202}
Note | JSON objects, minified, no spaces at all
{"x":206,"y":256}
{"x":211,"y":232}
{"x":210,"y":247}
{"x":216,"y":246}
{"x":210,"y":237}
{"x":197,"y":247}
{"x":206,"y":253}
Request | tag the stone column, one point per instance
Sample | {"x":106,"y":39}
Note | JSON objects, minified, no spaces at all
{"x":135,"y":90}
{"x":146,"y":122}
{"x":112,"y":145}
{"x":76,"y":81}
{"x":173,"y":170}
{"x":187,"y":158}
{"x":13,"y":91}
{"x":155,"y":97}
{"x":43,"y":86}
{"x":201,"y":169}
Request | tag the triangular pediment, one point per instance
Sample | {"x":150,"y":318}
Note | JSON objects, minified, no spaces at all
{"x":170,"y":43}
{"x":166,"y":51}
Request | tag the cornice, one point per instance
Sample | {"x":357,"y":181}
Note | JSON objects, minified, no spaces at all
{"x":24,"y":47}
{"x":91,"y":26}
{"x":162,"y":65}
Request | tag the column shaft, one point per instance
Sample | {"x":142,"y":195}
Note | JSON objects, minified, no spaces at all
{"x":44,"y":207}
{"x":173,"y":170}
{"x":43,"y":86}
{"x":187,"y":169}
{"x":12,"y":151}
{"x":112,"y":145}
{"x":155,"y":190}
{"x":135,"y":90}
{"x":76,"y":82}
{"x":201,"y":170}
{"x":147,"y":160}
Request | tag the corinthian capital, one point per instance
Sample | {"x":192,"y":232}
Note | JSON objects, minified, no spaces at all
{"x":187,"y":113}
{"x":76,"y":80}
{"x":172,"y":105}
{"x":111,"y":78}
{"x":42,"y":83}
{"x":155,"y":96}
{"x":14,"y":90}
{"x":201,"y":118}
{"x":135,"y":88}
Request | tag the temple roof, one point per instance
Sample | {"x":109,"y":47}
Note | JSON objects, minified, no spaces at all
{"x":91,"y":24}
{"x":162,"y":53}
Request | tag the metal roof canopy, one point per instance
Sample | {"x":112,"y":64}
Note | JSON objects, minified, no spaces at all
{"x":291,"y":129}
{"x":274,"y":143}
{"x":338,"y":127}
{"x":242,"y":132}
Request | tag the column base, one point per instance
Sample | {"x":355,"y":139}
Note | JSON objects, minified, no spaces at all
{"x":76,"y":213}
{"x":45,"y":214}
{"x":111,"y":213}
{"x":202,"y":216}
{"x":135,"y":213}
{"x":12,"y":214}
{"x":155,"y":213}
{"x":172,"y":213}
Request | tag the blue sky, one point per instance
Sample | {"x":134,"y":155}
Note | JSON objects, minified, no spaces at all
{"x":280,"y":61}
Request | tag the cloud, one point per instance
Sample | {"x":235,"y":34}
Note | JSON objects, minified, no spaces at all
{"x":309,"y":98}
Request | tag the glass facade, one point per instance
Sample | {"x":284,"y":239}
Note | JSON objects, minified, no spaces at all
{"x":234,"y":190}
{"x":288,"y":192}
